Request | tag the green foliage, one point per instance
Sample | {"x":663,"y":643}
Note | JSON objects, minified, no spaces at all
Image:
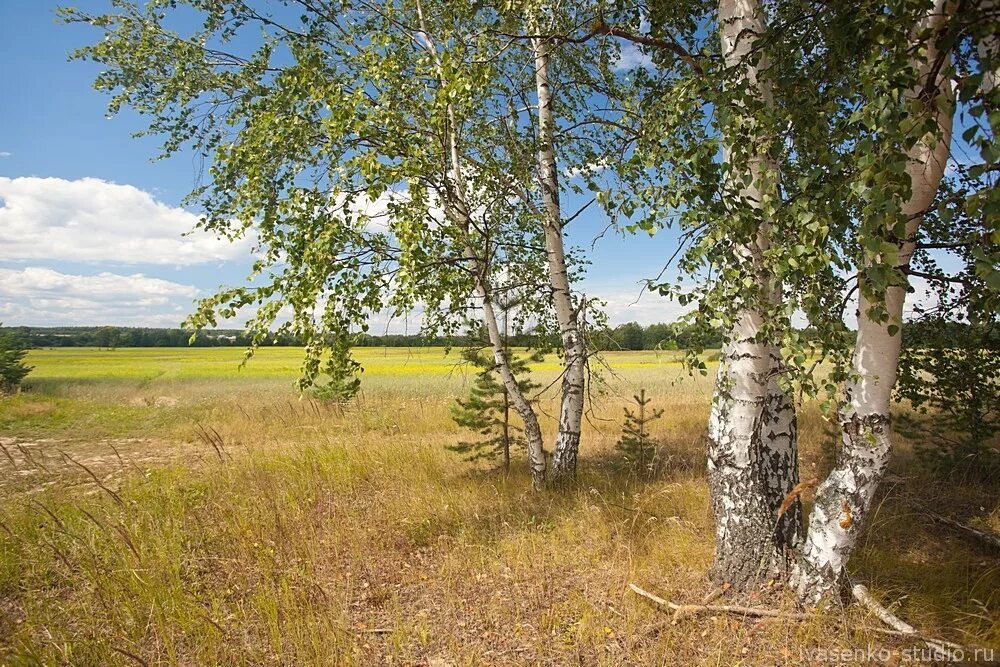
{"x":487,"y":409}
{"x":836,"y":122}
{"x":12,"y":367}
{"x":635,"y":442}
{"x":950,"y":373}
{"x":330,"y":131}
{"x":337,"y":389}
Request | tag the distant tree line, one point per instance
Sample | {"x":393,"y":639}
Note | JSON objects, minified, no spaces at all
{"x":625,"y":338}
{"x":112,"y":337}
{"x":628,"y":336}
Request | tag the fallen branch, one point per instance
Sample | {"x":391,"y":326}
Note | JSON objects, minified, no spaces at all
{"x":988,"y":538}
{"x":901,"y":627}
{"x":684,"y":609}
{"x":716,"y":594}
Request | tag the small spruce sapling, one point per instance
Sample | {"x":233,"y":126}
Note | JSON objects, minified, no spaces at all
{"x":12,"y":366}
{"x":487,"y":409}
{"x":637,"y":446}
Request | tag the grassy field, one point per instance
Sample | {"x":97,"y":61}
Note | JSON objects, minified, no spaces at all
{"x":162,"y":506}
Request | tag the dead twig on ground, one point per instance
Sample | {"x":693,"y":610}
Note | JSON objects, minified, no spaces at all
{"x":681,"y":610}
{"x":987,"y":538}
{"x":716,"y":594}
{"x":902,"y":628}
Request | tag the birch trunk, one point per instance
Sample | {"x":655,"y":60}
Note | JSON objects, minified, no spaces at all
{"x":498,"y":343}
{"x":752,"y":453}
{"x":458,"y":209}
{"x":532,"y":431}
{"x":844,"y":499}
{"x":574,"y":352}
{"x":752,"y":463}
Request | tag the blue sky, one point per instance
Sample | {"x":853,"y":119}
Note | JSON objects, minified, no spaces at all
{"x":90,"y":225}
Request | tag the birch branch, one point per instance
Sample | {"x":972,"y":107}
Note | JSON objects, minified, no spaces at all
{"x":689,"y":609}
{"x":988,"y":538}
{"x":901,"y":627}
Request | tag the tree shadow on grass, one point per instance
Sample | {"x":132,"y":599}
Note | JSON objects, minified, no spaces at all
{"x":939,"y":576}
{"x":674,"y":491}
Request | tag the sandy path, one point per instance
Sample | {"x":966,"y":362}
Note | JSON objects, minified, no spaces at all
{"x":28,"y":466}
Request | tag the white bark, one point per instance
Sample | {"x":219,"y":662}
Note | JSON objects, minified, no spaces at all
{"x":988,"y":49}
{"x":752,"y":457}
{"x":574,"y":352}
{"x":752,"y":462}
{"x":532,"y":431}
{"x":844,"y":499}
{"x":458,"y":209}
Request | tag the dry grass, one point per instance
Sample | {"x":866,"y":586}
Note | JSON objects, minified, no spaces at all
{"x":311,"y":534}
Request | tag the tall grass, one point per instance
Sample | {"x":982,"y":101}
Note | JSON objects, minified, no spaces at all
{"x":241,"y":525}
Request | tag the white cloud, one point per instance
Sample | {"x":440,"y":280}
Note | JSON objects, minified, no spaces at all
{"x":43,"y":297}
{"x":5,"y":153}
{"x":92,"y":220}
{"x":375,"y":213}
{"x":635,"y":305}
{"x":631,"y":57}
{"x":588,"y":169}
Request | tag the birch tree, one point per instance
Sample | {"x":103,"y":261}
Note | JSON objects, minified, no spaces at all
{"x":441,"y":116}
{"x":335,"y":110}
{"x":459,"y":209}
{"x":862,"y":170}
{"x":574,"y":349}
{"x":844,"y":500}
{"x":752,"y":456}
{"x":704,"y":99}
{"x":829,"y":162}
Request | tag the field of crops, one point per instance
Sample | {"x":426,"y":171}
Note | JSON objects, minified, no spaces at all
{"x":163,"y":506}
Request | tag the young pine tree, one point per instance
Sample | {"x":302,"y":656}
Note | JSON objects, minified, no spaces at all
{"x":12,"y":366}
{"x":637,"y":446}
{"x":487,"y":409}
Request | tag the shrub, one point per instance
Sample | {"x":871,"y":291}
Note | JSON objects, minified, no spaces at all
{"x":12,"y":367}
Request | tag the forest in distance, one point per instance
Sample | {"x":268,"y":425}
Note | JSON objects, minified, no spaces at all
{"x":628,"y":336}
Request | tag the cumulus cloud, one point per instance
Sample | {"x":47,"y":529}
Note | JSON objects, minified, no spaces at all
{"x":636,"y":305}
{"x":92,"y":220}
{"x":632,"y":57}
{"x":376,"y":213}
{"x":5,"y":153}
{"x":37,"y":296}
{"x":589,"y":169}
